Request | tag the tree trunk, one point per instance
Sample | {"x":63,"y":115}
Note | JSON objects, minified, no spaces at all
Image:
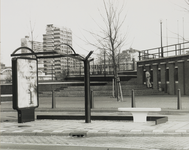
{"x":115,"y":78}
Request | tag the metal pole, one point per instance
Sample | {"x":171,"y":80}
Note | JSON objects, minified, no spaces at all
{"x":161,"y":39}
{"x":178,"y":30}
{"x":52,"y":71}
{"x":92,"y":99}
{"x":80,"y":69}
{"x":104,"y":64}
{"x":133,"y":99}
{"x":139,"y":55}
{"x":179,"y":103}
{"x":53,"y":99}
{"x":183,"y":35}
{"x":175,"y":49}
{"x":87,"y":92}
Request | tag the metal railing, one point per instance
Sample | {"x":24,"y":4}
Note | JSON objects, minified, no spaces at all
{"x":166,"y":51}
{"x":103,"y":70}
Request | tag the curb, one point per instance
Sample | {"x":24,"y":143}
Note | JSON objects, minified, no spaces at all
{"x":80,"y":134}
{"x":167,"y":111}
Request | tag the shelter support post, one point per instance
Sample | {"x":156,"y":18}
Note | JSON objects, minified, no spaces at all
{"x":87,"y":92}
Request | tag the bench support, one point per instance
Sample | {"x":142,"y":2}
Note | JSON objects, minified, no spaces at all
{"x":139,"y":116}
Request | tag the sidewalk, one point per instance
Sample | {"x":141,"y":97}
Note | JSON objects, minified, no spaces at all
{"x":177,"y":125}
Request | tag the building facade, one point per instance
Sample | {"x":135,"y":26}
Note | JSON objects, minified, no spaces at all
{"x":53,"y":40}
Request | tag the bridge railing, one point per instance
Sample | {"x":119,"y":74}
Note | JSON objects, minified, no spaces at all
{"x":166,"y":51}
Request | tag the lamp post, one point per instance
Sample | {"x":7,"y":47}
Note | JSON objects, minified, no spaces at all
{"x":161,"y":38}
{"x":104,"y":63}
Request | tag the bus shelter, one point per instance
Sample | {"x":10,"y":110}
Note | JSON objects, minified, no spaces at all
{"x":26,"y":102}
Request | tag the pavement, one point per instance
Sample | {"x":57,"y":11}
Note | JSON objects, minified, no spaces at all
{"x":177,"y":124}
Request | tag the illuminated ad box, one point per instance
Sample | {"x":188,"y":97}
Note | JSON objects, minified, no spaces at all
{"x":25,"y":83}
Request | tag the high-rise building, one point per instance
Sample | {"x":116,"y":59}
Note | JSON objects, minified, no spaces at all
{"x":53,"y":40}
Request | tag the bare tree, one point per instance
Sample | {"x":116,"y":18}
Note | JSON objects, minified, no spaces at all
{"x":186,"y":9}
{"x":8,"y":77}
{"x":111,"y":39}
{"x":187,"y":2}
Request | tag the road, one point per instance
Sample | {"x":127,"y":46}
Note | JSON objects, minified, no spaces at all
{"x":54,"y":147}
{"x":91,"y":143}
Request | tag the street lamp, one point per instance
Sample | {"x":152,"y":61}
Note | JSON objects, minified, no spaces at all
{"x":161,"y":38}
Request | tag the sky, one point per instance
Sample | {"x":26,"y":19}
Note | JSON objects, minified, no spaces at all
{"x":142,"y":23}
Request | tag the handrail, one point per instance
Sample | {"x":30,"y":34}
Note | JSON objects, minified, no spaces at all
{"x":164,"y":46}
{"x":160,"y":52}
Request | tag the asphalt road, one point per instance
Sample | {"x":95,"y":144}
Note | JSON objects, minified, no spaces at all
{"x":54,"y":147}
{"x":91,"y":143}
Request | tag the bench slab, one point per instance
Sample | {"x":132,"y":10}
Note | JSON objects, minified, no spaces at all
{"x":139,"y":114}
{"x":139,"y":109}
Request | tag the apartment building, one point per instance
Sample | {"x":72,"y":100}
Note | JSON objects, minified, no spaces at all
{"x":53,"y":40}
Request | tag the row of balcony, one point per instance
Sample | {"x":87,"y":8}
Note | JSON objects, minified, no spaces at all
{"x":55,"y":38}
{"x":58,"y":30}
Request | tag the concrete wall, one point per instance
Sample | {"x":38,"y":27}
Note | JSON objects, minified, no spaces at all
{"x":168,"y":74}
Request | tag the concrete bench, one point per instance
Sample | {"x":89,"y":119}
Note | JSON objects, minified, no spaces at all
{"x":139,"y":114}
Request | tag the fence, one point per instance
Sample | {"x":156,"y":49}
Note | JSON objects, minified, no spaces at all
{"x":166,"y":51}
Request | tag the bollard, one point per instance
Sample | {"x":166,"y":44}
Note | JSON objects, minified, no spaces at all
{"x":179,"y":103}
{"x":113,"y":93}
{"x":133,"y":99}
{"x":92,"y":99}
{"x":53,"y":99}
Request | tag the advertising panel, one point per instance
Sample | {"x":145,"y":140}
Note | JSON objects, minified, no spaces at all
{"x":25,"y":82}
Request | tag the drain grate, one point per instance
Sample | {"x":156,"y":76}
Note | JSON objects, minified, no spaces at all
{"x":78,"y":134}
{"x":24,"y":126}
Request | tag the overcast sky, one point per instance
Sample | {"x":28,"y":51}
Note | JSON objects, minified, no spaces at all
{"x":142,"y":24}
